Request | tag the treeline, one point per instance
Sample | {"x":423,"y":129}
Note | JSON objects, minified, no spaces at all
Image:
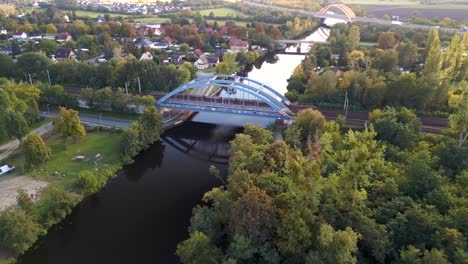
{"x":393,"y":73}
{"x":387,"y":194}
{"x":35,"y":66}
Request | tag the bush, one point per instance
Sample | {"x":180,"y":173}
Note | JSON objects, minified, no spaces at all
{"x":55,"y":205}
{"x":88,"y":182}
{"x":91,"y":182}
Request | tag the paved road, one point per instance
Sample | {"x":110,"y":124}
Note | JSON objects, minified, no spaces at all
{"x":362,"y":19}
{"x":95,"y":120}
{"x":7,"y":149}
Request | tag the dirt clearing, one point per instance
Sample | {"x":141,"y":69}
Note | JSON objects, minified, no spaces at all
{"x":10,"y":184}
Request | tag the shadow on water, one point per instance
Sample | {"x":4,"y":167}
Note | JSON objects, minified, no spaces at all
{"x":141,"y":215}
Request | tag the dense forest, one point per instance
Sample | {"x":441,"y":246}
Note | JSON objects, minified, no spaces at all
{"x":386,"y":194}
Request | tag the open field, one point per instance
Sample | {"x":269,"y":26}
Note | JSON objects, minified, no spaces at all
{"x":94,"y":14}
{"x":458,"y":12}
{"x":225,"y":11}
{"x":152,"y":19}
{"x":60,"y":167}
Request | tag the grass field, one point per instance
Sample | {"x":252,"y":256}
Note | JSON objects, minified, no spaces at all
{"x":60,"y":168}
{"x":225,"y":11}
{"x":153,"y":19}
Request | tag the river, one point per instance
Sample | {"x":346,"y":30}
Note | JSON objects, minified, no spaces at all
{"x":143,"y":213}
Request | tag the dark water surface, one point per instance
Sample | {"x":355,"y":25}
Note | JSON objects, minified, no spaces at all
{"x":141,"y":215}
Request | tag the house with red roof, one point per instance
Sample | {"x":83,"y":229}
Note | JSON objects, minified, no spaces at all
{"x":238,"y":45}
{"x":20,"y":35}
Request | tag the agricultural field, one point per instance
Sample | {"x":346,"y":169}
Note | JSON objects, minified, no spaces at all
{"x":222,"y":12}
{"x":454,"y":9}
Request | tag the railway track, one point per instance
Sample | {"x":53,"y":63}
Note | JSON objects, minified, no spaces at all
{"x":433,"y":125}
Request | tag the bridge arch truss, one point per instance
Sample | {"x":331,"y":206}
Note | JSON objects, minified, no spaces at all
{"x":262,"y":100}
{"x":343,"y":8}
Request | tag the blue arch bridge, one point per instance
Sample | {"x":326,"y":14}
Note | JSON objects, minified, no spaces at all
{"x":227,"y":94}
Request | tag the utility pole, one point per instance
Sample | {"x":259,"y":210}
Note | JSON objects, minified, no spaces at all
{"x":139,"y":84}
{"x":30,"y":80}
{"x":346,"y":103}
{"x":126,"y":88}
{"x":48,"y":76}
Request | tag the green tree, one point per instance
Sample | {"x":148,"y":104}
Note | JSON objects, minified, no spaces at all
{"x":335,"y":246}
{"x":433,"y":63}
{"x":6,"y":65}
{"x":68,"y":124}
{"x":228,"y":65}
{"x":295,"y":237}
{"x":459,"y":119}
{"x":15,"y":124}
{"x":242,"y":249}
{"x":310,"y":122}
{"x":400,"y":128}
{"x":18,"y":230}
{"x":32,"y":63}
{"x":354,"y":37}
{"x":150,"y":125}
{"x":198,"y":249}
{"x":35,"y":150}
{"x":48,"y":46}
{"x":130,"y":144}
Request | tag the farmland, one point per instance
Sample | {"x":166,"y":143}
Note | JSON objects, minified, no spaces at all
{"x":222,"y":12}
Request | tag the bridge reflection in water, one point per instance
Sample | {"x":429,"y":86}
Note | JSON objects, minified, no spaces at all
{"x":212,"y":147}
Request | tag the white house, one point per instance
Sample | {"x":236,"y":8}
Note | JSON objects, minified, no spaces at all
{"x":146,"y":56}
{"x":20,"y":35}
{"x":3,"y":31}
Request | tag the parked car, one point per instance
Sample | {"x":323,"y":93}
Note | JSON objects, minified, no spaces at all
{"x":5,"y":168}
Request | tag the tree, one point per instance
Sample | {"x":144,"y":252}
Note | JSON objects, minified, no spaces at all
{"x":150,"y":125}
{"x":386,"y":40}
{"x":198,"y":249}
{"x":354,"y":37}
{"x":15,"y":124}
{"x":32,"y":63}
{"x":310,"y":122}
{"x":48,"y":46}
{"x":18,"y":230}
{"x":242,"y":249}
{"x":253,"y":215}
{"x":130,"y":144}
{"x":227,"y":66}
{"x":68,"y":124}
{"x":6,"y":65}
{"x":433,"y":63}
{"x":35,"y":150}
{"x":294,"y":235}
{"x":185,"y":48}
{"x":335,"y":246}
{"x":459,"y":119}
{"x":51,"y":29}
{"x":259,"y":135}
{"x":387,"y":60}
{"x":400,"y":128}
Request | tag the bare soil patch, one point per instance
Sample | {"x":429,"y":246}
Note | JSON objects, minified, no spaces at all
{"x":10,"y":184}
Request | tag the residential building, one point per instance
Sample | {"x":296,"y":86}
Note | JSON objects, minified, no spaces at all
{"x":63,"y":37}
{"x":20,"y":35}
{"x":65,"y":53}
{"x":146,"y":56}
{"x":237,"y":45}
{"x":8,"y":50}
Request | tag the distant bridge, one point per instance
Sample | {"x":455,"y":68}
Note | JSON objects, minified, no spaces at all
{"x":237,"y":95}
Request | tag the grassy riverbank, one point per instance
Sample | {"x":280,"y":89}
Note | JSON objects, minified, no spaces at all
{"x":62,"y":176}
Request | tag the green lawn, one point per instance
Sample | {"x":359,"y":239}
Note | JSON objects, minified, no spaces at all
{"x":61,"y":168}
{"x":224,"y":11}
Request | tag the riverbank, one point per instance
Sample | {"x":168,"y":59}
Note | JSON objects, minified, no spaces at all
{"x":98,"y":150}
